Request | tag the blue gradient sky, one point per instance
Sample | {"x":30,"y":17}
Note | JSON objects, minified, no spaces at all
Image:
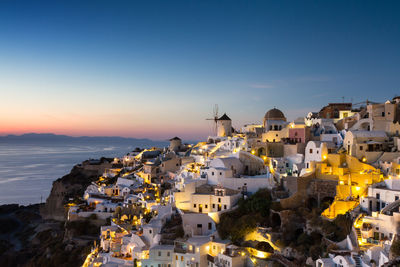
{"x":156,"y":68}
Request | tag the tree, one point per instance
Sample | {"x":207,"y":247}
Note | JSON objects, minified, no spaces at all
{"x":395,"y":248}
{"x":118,"y":212}
{"x":264,"y":246}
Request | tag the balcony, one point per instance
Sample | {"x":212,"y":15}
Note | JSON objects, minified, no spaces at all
{"x":180,"y":250}
{"x":210,"y":258}
{"x":183,"y":248}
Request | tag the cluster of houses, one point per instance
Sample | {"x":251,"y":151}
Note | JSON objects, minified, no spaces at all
{"x":161,"y":206}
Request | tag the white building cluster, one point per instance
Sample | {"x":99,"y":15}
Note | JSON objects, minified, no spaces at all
{"x":164,"y":204}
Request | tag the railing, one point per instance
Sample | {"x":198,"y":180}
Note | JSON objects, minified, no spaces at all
{"x":210,"y":258}
{"x":180,"y":250}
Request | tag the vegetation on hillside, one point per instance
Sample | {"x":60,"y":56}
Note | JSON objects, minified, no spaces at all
{"x":253,"y":211}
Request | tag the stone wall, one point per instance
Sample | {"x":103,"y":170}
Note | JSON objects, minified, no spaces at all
{"x":310,"y":187}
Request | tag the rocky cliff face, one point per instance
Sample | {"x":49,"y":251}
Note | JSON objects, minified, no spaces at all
{"x":63,"y":189}
{"x":71,"y":186}
{"x":29,"y":236}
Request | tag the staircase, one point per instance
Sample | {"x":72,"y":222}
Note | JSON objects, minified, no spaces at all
{"x":358,"y":232}
{"x":357,"y":260}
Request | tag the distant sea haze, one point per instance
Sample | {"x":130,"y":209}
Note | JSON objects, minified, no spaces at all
{"x":30,"y":163}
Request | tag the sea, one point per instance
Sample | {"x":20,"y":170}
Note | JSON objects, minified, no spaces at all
{"x":28,"y":168}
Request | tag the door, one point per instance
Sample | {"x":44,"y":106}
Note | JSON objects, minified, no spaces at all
{"x":200,"y":208}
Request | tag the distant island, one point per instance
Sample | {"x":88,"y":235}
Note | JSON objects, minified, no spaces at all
{"x":50,"y":137}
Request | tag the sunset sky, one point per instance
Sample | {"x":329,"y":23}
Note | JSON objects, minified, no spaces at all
{"x":156,"y":68}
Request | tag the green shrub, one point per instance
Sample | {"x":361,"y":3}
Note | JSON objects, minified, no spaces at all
{"x":395,"y":248}
{"x":234,"y":225}
{"x":93,"y":216}
{"x":265,"y":246}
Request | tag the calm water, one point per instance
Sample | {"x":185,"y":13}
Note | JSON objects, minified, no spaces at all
{"x":28,"y":170}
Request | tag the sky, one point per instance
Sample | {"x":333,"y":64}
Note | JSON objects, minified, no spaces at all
{"x":155,"y":69}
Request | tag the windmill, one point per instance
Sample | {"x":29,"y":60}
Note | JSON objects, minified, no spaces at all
{"x":215,"y":119}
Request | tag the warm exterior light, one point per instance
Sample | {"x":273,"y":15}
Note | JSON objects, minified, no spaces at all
{"x":261,"y":254}
{"x":357,"y":188}
{"x":253,"y":152}
{"x":324,"y":156}
{"x":341,"y":182}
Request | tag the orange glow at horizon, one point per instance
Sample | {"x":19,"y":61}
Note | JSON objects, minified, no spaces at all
{"x":106,"y":127}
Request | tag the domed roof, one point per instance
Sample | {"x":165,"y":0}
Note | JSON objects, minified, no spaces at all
{"x":274,"y":114}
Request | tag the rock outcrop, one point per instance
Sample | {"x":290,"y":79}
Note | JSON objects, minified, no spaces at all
{"x":31,"y":235}
{"x":72,"y":186}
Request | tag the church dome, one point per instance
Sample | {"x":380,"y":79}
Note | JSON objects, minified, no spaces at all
{"x":274,"y":114}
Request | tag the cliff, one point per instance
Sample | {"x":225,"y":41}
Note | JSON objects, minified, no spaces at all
{"x":38,"y":235}
{"x":72,"y":186}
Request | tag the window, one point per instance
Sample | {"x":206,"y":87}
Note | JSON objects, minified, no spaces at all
{"x":224,"y":207}
{"x":378,"y":196}
{"x":181,"y":258}
{"x":206,"y":206}
{"x":396,"y":198}
{"x":168,"y":254}
{"x":159,"y":265}
{"x":159,"y":254}
{"x":199,"y":225}
{"x":212,"y":173}
{"x":194,"y":205}
{"x":383,"y":114}
{"x":310,"y":150}
{"x":220,"y":173}
{"x":150,"y":231}
{"x":317,"y":151}
{"x":176,"y":257}
{"x":361,"y":147}
{"x":213,"y":206}
{"x":209,"y":226}
{"x":219,"y":200}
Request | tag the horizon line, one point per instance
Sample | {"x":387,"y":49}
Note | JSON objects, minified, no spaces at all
{"x":90,"y":136}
